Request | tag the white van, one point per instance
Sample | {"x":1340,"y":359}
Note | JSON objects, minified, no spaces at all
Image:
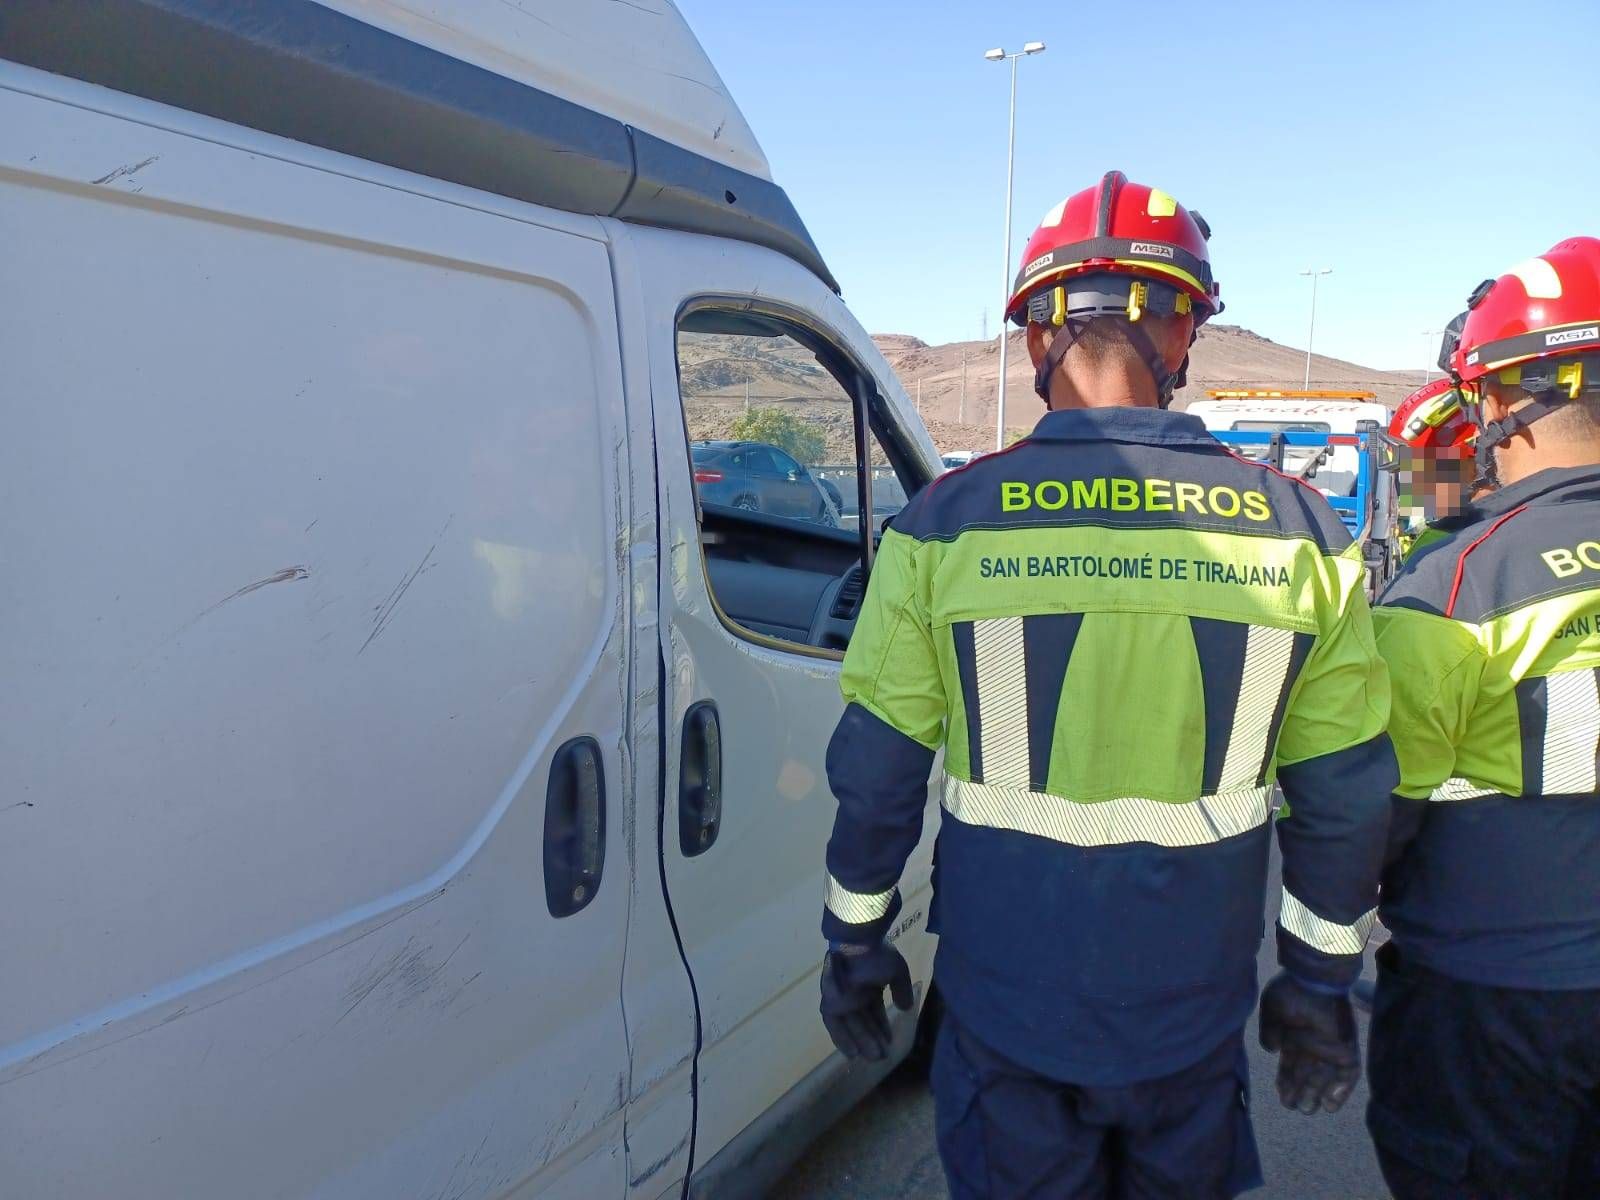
{"x":411,"y":788}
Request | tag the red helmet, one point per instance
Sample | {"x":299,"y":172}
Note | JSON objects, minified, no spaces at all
{"x":1537,"y":327}
{"x":1120,"y":229}
{"x":1116,"y":249}
{"x":1543,"y":308}
{"x":1432,"y":418}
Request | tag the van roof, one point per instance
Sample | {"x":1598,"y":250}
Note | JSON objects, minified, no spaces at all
{"x":591,"y":106}
{"x":637,"y":62}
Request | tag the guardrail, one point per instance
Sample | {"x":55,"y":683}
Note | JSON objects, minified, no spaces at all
{"x":886,"y":490}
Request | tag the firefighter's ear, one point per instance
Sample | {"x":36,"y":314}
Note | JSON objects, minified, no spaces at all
{"x":1039,"y":338}
{"x":1498,"y":399}
{"x":1176,"y":336}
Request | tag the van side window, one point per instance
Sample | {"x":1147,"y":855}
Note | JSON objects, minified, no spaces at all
{"x":772,"y":445}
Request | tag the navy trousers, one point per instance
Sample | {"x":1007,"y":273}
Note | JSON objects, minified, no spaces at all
{"x":1483,"y":1093}
{"x":1008,"y":1133}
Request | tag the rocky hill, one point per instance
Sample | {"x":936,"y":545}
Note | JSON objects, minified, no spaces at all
{"x":1225,"y":356}
{"x":954,"y":384}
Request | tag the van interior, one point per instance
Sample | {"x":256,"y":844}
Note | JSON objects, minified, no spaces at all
{"x":773,"y":575}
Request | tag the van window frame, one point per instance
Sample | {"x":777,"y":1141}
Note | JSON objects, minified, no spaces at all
{"x":838,"y":360}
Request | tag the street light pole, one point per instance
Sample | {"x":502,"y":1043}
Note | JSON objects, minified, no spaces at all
{"x":1311,"y":336}
{"x":999,"y":55}
{"x":1427,"y":367}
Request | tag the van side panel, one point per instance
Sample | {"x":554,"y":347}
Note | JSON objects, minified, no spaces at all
{"x":313,"y":549}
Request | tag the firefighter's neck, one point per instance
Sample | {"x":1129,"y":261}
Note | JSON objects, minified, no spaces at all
{"x":1541,"y":446}
{"x":1104,"y":383}
{"x":1525,"y":453}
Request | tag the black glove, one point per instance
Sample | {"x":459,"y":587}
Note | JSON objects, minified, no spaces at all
{"x":1314,"y":1036}
{"x":853,"y":979}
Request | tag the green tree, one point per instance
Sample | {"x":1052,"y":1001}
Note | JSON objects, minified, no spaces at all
{"x":783,"y":429}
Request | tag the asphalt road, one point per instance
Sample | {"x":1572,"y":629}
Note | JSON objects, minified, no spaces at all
{"x":883,"y":1150}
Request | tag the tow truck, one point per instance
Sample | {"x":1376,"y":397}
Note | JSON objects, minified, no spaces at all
{"x":1335,"y":441}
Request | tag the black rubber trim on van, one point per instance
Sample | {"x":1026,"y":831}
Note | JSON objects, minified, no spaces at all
{"x":759,"y":1156}
{"x":302,"y":71}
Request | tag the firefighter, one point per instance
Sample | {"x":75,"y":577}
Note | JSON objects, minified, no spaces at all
{"x":1436,"y":444}
{"x":1120,"y":635}
{"x":1485,"y":1046}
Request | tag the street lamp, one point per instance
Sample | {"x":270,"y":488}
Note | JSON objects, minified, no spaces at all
{"x":1427,"y":368}
{"x":1312,"y":335}
{"x":999,"y":55}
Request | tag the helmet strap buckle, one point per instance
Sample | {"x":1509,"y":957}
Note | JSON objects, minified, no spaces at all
{"x":1138,"y":297}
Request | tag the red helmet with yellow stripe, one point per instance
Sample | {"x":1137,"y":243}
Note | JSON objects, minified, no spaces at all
{"x":1117,"y":249}
{"x":1546,"y":307}
{"x":1536,"y":328}
{"x":1119,"y":228}
{"x":1432,"y":418}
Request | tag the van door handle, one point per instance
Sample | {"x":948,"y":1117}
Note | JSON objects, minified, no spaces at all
{"x":574,"y":826}
{"x":700,"y":780}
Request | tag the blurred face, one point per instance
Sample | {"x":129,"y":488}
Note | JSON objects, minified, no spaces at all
{"x":1434,"y":482}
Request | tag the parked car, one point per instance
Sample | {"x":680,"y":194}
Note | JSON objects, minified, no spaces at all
{"x":760,"y":478}
{"x":958,"y":458}
{"x":410,"y":789}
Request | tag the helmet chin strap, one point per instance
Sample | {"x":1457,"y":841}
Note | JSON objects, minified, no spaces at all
{"x":1072,"y":329}
{"x":1496,"y":433}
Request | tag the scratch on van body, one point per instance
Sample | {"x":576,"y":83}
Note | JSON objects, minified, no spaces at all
{"x":404,"y":977}
{"x":456,"y":995}
{"x":553,"y":1142}
{"x":287,"y":575}
{"x":124,"y":171}
{"x":522,"y":12}
{"x":367,"y":982}
{"x":385,"y":610}
{"x":653,"y":1168}
{"x":469,"y":1184}
{"x":700,"y":83}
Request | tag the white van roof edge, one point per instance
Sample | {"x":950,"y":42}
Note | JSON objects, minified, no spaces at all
{"x":304,"y":71}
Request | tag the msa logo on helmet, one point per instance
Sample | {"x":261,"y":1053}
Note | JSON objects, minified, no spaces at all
{"x":1040,"y":263}
{"x":1153,"y":249}
{"x":1567,"y":337}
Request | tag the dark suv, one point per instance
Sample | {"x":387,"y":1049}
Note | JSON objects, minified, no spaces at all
{"x":761,"y":478}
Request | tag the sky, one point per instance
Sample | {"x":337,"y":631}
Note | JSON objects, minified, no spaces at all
{"x":1413,"y":146}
